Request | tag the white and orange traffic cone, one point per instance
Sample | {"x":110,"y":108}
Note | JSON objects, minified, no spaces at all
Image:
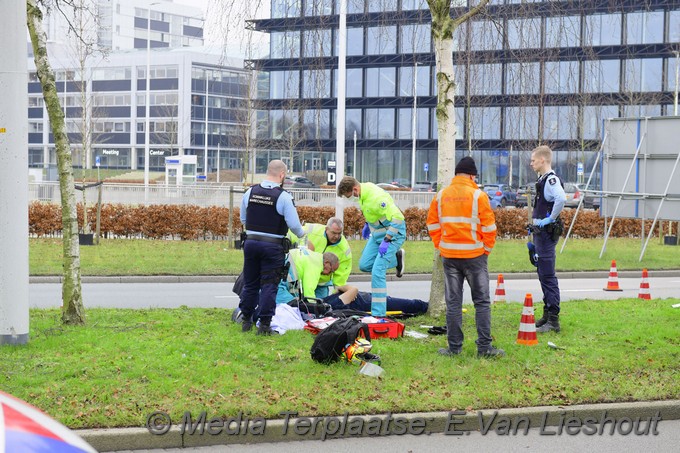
{"x":644,"y":287}
{"x":527,"y":326}
{"x":499,"y":296}
{"x":613,"y":281}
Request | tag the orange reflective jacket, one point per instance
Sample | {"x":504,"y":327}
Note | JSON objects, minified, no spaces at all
{"x":460,"y":221}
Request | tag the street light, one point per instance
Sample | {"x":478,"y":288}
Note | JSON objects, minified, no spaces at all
{"x":148,"y":101}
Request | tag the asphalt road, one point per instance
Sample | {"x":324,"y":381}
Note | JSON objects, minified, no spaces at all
{"x":667,"y":440}
{"x":219,"y":295}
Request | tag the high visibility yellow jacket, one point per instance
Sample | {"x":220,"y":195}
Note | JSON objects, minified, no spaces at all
{"x":316,"y":235}
{"x":460,"y":221}
{"x":381,"y":213}
{"x":306,"y":267}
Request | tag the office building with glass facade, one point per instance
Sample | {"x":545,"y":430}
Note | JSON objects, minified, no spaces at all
{"x":527,"y":73}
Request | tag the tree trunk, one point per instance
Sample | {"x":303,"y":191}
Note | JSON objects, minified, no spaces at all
{"x":443,"y":26}
{"x":71,"y":293}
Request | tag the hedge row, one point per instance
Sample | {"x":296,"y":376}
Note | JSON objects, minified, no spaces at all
{"x":190,"y":222}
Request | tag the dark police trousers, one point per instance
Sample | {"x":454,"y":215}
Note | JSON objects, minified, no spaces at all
{"x":545,"y":248}
{"x":262,"y":264}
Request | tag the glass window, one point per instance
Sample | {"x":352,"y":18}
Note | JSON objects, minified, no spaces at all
{"x":317,"y":43}
{"x":644,"y":27}
{"x":521,"y":123}
{"x":485,"y":79}
{"x":603,"y":30}
{"x":381,"y":40}
{"x":405,"y":126}
{"x":487,"y":35}
{"x":522,"y":78}
{"x":284,"y":84}
{"x":378,"y":6}
{"x":643,"y":75}
{"x":284,"y":123}
{"x":379,"y":123}
{"x":592,"y":119}
{"x":380,"y":82}
{"x":316,"y":84}
{"x":415,"y":38}
{"x":524,"y":33}
{"x":355,"y":41}
{"x":634,"y":111}
{"x":352,"y":123}
{"x":355,"y":83}
{"x":409,"y":5}
{"x":317,"y":124}
{"x":601,"y":76}
{"x":285,"y":8}
{"x":672,"y":74}
{"x":559,"y":122}
{"x":561,"y":77}
{"x":318,"y":7}
{"x":353,"y":6}
{"x":564,"y":31}
{"x":485,"y":123}
{"x":285,"y":44}
{"x":406,"y":81}
{"x":674,"y":27}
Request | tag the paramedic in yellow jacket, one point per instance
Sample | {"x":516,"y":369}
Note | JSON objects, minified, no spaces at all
{"x":329,"y":238}
{"x":463,"y":228}
{"x":305,"y":270}
{"x":385,"y":230}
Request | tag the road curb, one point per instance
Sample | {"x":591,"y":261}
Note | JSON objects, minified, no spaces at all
{"x":618,"y":417}
{"x":353,"y":278}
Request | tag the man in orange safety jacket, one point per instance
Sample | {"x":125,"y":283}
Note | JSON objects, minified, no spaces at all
{"x":462,"y":227}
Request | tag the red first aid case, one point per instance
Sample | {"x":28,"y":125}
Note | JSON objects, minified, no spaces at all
{"x":386,"y":328}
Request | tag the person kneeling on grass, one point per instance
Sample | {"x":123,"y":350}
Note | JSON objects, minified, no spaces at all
{"x":350,"y":297}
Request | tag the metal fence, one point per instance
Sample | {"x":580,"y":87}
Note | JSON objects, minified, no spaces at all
{"x":203,"y":195}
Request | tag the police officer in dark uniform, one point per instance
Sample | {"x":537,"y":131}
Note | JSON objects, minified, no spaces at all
{"x":267,"y":211}
{"x":547,"y":228}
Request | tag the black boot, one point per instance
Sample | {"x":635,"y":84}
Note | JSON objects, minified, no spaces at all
{"x":264,"y":328}
{"x":247,"y":325}
{"x":544,"y":319}
{"x":553,"y":324}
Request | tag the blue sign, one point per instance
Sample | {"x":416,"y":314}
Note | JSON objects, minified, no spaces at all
{"x":579,"y":168}
{"x":426,"y":166}
{"x":200,"y":177}
{"x":97,"y":161}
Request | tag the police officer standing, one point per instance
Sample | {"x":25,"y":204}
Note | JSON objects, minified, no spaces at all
{"x":267,"y":211}
{"x":548,"y":227}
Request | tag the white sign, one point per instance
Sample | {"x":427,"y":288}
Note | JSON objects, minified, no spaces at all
{"x":111,"y":152}
{"x":156,"y":152}
{"x":579,"y":168}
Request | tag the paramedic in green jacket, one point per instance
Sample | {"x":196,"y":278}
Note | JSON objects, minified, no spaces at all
{"x":329,"y":238}
{"x":304,"y":273}
{"x":385,"y":230}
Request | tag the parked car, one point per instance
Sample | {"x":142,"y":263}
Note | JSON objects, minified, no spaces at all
{"x":425,"y":186}
{"x":401,"y":182}
{"x":523,"y":193}
{"x":500,"y":195}
{"x":590,"y":201}
{"x":388,"y":186}
{"x":297,"y":182}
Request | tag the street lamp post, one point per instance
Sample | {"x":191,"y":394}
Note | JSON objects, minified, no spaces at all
{"x":148,"y":101}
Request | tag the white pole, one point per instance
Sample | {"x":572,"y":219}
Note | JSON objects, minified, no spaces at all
{"x":677,"y":79}
{"x":14,"y":319}
{"x":354,"y":165}
{"x":218,"y":159}
{"x":414,"y":121}
{"x":146,"y":109}
{"x":340,"y":126}
{"x":205,"y":146}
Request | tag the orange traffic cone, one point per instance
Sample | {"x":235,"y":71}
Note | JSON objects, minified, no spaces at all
{"x":613,"y":281}
{"x":527,"y":326}
{"x":500,"y":290}
{"x":644,"y":287}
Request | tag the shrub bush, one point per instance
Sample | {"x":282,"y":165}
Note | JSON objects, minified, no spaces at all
{"x":189,"y":222}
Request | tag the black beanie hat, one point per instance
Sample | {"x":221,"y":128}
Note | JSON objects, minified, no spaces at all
{"x":466,"y":165}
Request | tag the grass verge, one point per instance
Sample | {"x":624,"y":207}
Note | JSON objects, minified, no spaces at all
{"x":151,"y":257}
{"x":125,"y":364}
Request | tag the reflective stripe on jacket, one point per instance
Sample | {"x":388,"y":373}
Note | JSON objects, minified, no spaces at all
{"x":460,"y":221}
{"x":316,"y":234}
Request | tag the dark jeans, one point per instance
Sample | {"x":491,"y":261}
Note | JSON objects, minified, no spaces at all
{"x":262,"y":265}
{"x":363,"y":303}
{"x":545,"y":248}
{"x":475,"y":271}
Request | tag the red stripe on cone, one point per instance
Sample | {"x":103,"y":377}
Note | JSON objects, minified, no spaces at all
{"x":613,"y":281}
{"x":644,"y":287}
{"x":527,"y":327}
{"x":499,"y":296}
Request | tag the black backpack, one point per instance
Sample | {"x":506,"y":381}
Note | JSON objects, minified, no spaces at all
{"x":329,"y":343}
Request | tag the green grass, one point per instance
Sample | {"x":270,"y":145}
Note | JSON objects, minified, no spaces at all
{"x":153,"y":257}
{"x":125,"y":364}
